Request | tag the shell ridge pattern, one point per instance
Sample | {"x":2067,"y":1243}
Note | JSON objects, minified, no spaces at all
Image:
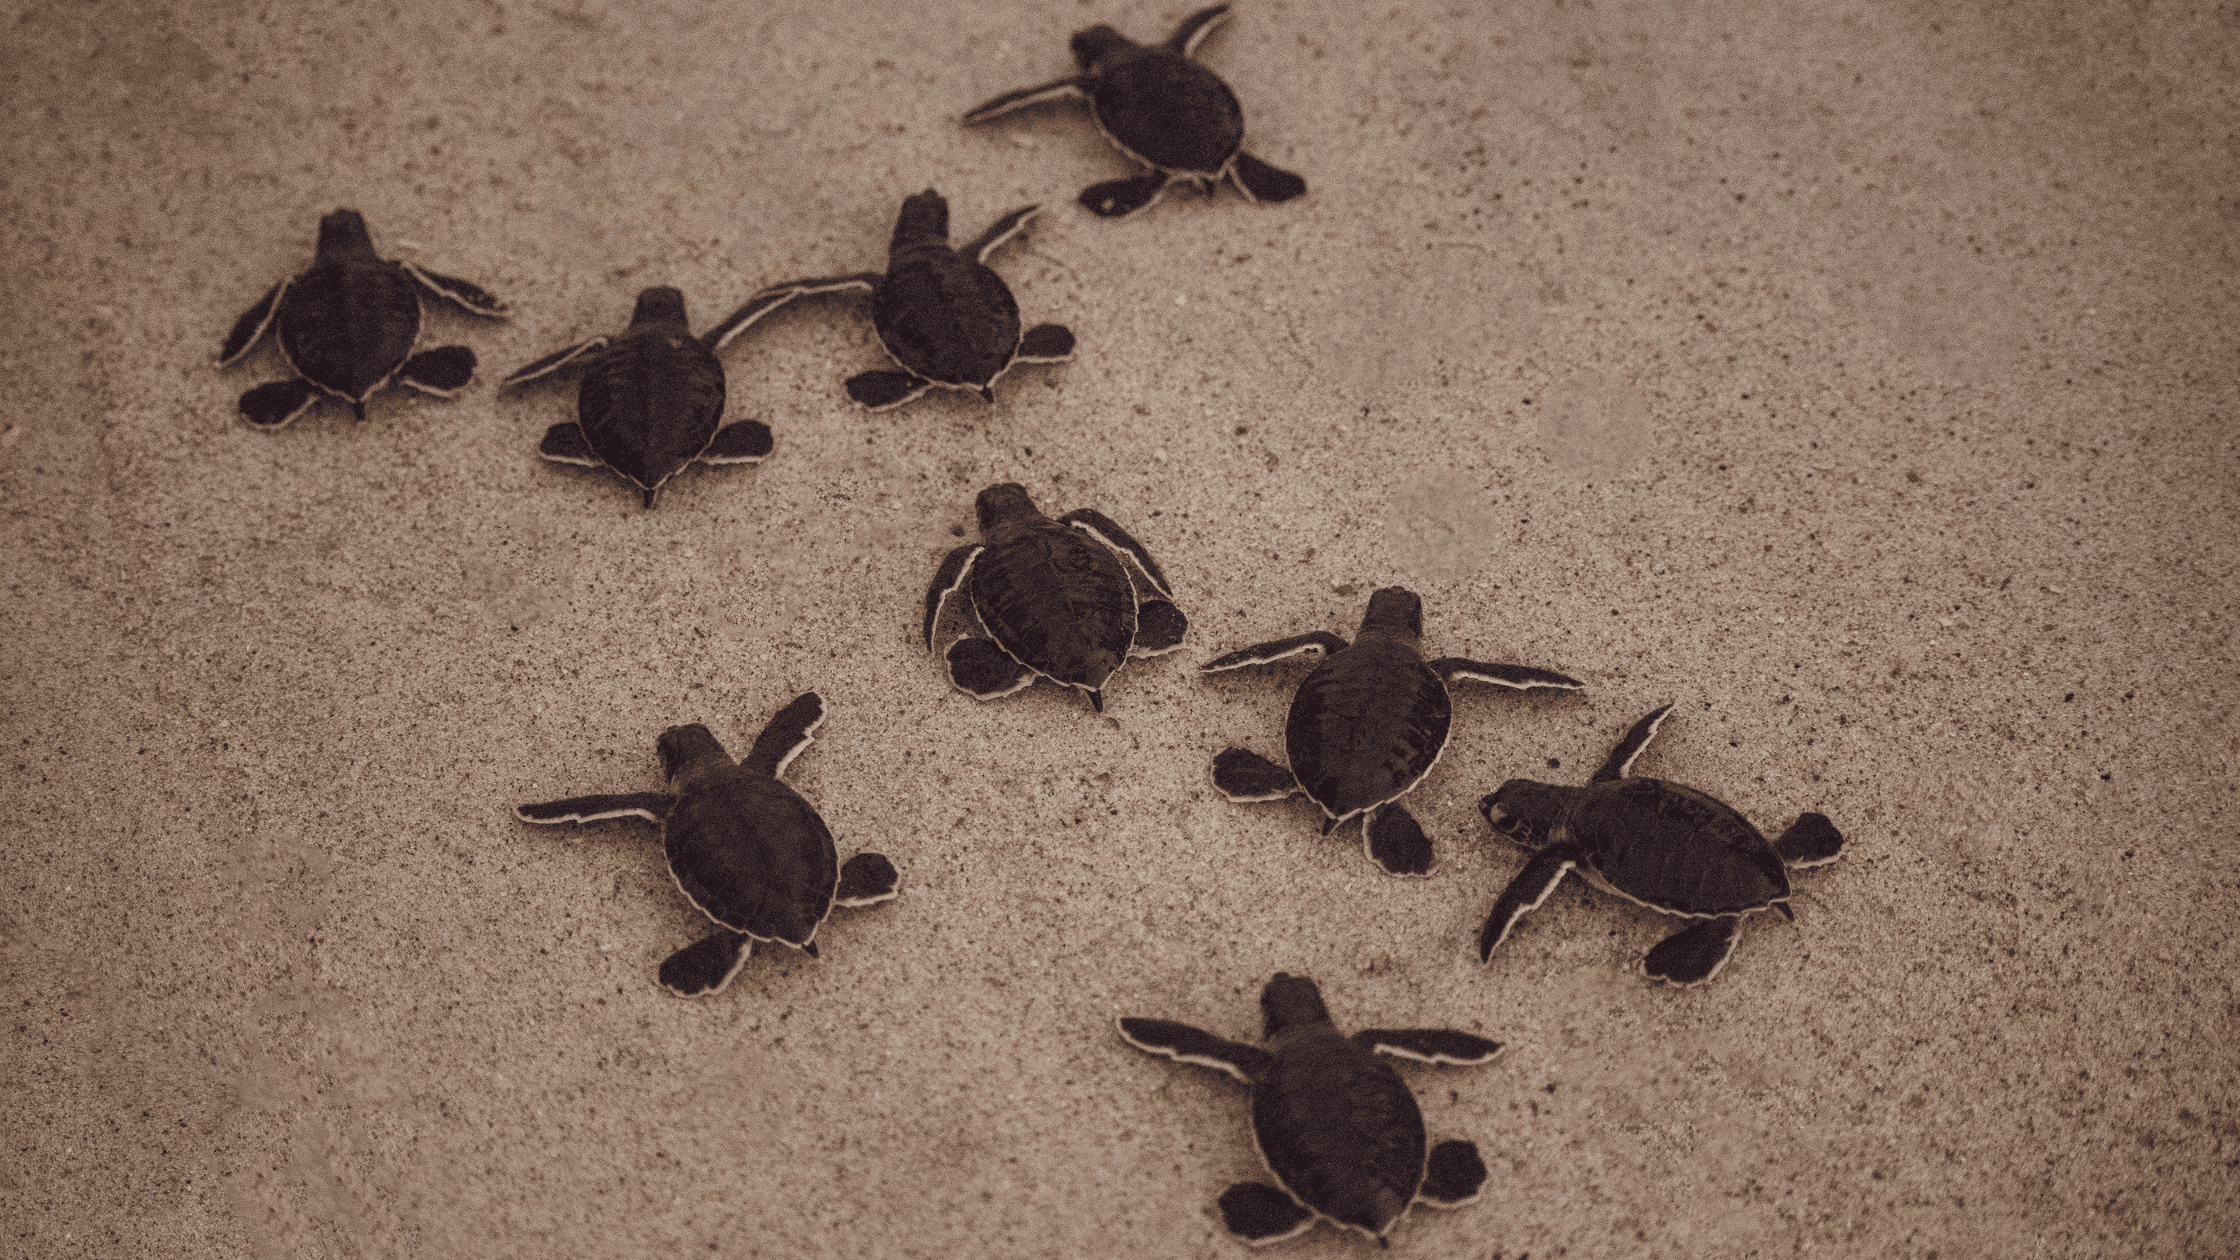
{"x":1657,"y":819}
{"x":1363,"y":736}
{"x":1170,"y":98}
{"x":631,"y":395}
{"x":733,"y":826}
{"x":345,"y":316}
{"x":1077,"y":641}
{"x":1347,"y":1135}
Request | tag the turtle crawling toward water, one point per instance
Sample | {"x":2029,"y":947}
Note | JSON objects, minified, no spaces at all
{"x":1658,"y":844}
{"x":745,"y":849}
{"x":1162,"y":109}
{"x":1366,"y":726}
{"x":1340,"y":1131}
{"x":348,"y":327}
{"x":651,"y":400}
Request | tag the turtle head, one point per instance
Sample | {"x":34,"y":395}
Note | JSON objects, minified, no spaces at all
{"x":924,"y":218}
{"x":1097,"y":44}
{"x":662,"y":305}
{"x":685,"y":749}
{"x":1394,"y":610}
{"x":1291,"y":1002}
{"x":1526,"y":812}
{"x":343,"y":238}
{"x":999,"y":505}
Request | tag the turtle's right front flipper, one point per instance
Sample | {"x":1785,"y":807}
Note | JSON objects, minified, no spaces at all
{"x":651,"y":806}
{"x":1185,"y":1044}
{"x":251,"y":325}
{"x":1320,"y":643}
{"x":1525,"y":893}
{"x":705,"y":966}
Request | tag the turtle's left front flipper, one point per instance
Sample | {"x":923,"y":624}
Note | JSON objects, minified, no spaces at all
{"x":1428,"y":1045}
{"x":468,"y":297}
{"x":1517,"y":677}
{"x":651,"y":806}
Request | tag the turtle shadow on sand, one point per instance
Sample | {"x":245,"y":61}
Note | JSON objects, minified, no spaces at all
{"x":744,"y":847}
{"x":1658,"y":844}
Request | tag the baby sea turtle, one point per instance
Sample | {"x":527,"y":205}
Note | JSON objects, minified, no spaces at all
{"x":745,"y":848}
{"x":348,"y":326}
{"x":1336,"y":1125}
{"x":651,"y":400}
{"x":1055,"y":604}
{"x":1659,"y":844}
{"x":939,"y":312}
{"x":1164,"y":110}
{"x":1366,"y":726}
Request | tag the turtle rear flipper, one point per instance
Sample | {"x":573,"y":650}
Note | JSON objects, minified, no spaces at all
{"x":250,"y":327}
{"x":741,"y":442}
{"x":273,"y":405}
{"x":787,"y":733}
{"x":705,"y":966}
{"x":1319,"y":643}
{"x":1515,"y":677}
{"x":1811,"y":841}
{"x":1259,"y":181}
{"x":1395,"y":841}
{"x":1107,"y":531}
{"x":1453,"y":1175}
{"x":651,"y":806}
{"x":881,"y":390}
{"x":1244,"y":777}
{"x":1525,"y":893}
{"x":443,"y":371}
{"x":467,"y":296}
{"x":1695,"y":954}
{"x":1629,"y":748}
{"x":1428,"y":1045}
{"x":1159,"y":628}
{"x":1197,"y":1047}
{"x":1119,"y":198}
{"x":564,"y":443}
{"x":1261,"y":1214}
{"x":984,"y":670}
{"x":866,"y":879}
{"x":1046,"y":343}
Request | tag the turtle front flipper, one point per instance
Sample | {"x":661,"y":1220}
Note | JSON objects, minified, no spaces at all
{"x":1261,"y":1214}
{"x":1060,"y":90}
{"x":469,"y":297}
{"x":882,"y":389}
{"x":866,"y":879}
{"x":982,"y":669}
{"x":777,"y":295}
{"x":1159,"y":628}
{"x":443,"y":371}
{"x":1443,"y":1046}
{"x":651,"y":806}
{"x":250,"y":327}
{"x":553,"y":362}
{"x":1394,"y":840}
{"x":740,"y":442}
{"x":999,"y":233}
{"x":946,"y":580}
{"x":705,"y":966}
{"x":1629,"y":749}
{"x":1320,"y":643}
{"x":1452,"y":1175}
{"x":1107,"y":531}
{"x":1119,"y":198}
{"x":1194,"y":1046}
{"x":1695,"y":954}
{"x":1811,"y":841}
{"x":1194,"y":29}
{"x":1516,"y":677}
{"x":1259,"y":181}
{"x":1245,"y":777}
{"x":273,"y":405}
{"x":1525,"y":893}
{"x":1046,"y":343}
{"x":790,"y":731}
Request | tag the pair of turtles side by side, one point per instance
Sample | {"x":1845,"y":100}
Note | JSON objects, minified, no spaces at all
{"x":1163,"y":110}
{"x":1337,"y":1127}
{"x":350,"y":325}
{"x":1366,"y":726}
{"x":744,"y":847}
{"x":940,"y":313}
{"x":1659,"y":844}
{"x":1054,"y":599}
{"x":651,"y":400}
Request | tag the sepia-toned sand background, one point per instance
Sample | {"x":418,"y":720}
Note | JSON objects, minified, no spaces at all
{"x":1861,"y":377}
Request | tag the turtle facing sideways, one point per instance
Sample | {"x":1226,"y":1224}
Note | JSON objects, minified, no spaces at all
{"x":348,"y":327}
{"x":744,"y":848}
{"x":1366,"y":726}
{"x":1162,"y":109}
{"x":651,"y":400}
{"x":1337,"y":1127}
{"x":1671,"y":848}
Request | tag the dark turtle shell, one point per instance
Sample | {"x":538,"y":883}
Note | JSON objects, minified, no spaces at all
{"x":1367,"y":725}
{"x":1160,"y":107}
{"x":1057,"y":600}
{"x":941,"y":313}
{"x":1676,"y":849}
{"x":653,"y":401}
{"x":744,"y":846}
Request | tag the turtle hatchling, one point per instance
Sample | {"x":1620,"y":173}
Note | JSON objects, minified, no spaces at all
{"x":941,"y":314}
{"x":1366,"y":726}
{"x":1162,"y":109}
{"x":651,"y":400}
{"x":348,"y":327}
{"x":1659,"y":844}
{"x":1054,"y":599}
{"x":745,"y":848}
{"x":1338,"y":1128}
